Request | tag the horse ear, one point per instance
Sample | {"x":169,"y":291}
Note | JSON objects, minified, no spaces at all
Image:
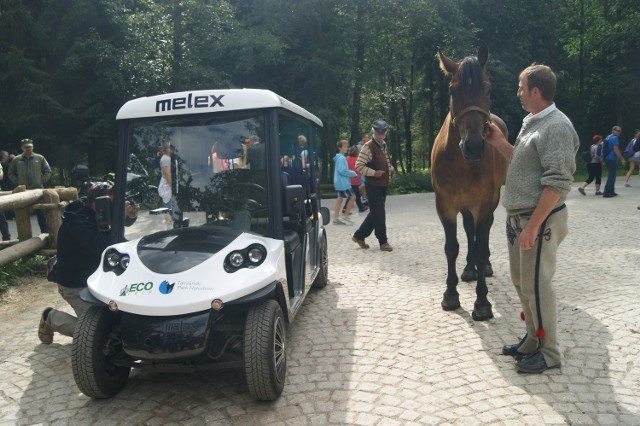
{"x":483,"y":53}
{"x":448,"y":66}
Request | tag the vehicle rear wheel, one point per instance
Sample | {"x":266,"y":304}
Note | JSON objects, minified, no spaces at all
{"x":265,"y":358}
{"x":322,"y":279}
{"x":96,"y":342}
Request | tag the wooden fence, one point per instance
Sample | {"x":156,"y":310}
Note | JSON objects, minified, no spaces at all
{"x":21,"y":200}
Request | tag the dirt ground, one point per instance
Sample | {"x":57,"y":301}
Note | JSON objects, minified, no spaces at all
{"x":21,"y":297}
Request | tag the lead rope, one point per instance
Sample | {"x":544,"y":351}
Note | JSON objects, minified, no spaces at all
{"x":540,"y":333}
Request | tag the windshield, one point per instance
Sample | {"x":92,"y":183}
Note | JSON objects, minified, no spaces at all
{"x":203,"y":171}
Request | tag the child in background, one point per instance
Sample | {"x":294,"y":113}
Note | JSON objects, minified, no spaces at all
{"x":342,"y":184}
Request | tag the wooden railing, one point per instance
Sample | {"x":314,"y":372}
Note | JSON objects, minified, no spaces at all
{"x":21,"y":200}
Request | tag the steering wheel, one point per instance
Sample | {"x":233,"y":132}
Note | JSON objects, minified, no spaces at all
{"x":244,"y":196}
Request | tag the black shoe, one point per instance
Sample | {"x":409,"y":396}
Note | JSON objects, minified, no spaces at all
{"x":534,"y":363}
{"x":512,"y":350}
{"x":608,"y":196}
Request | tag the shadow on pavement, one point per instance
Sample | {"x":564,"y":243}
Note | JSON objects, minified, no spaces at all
{"x":317,"y":355}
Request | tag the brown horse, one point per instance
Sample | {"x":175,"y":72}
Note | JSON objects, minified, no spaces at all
{"x":467,"y":174}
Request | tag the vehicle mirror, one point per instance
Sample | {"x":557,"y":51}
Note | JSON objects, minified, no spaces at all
{"x":293,"y":194}
{"x":326,"y":215}
{"x":103,"y":213}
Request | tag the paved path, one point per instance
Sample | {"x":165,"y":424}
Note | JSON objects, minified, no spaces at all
{"x":375,"y":348}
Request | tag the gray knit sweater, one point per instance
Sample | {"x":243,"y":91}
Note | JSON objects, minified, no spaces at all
{"x":543,"y":155}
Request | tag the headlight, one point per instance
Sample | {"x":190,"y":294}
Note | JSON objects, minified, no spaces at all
{"x":256,"y":255}
{"x":250,"y":257}
{"x":115,"y":261}
{"x":236,"y":259}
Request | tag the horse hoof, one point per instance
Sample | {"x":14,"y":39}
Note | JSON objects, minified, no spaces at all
{"x":482,"y":312}
{"x":488,"y":270}
{"x":450,"y":302}
{"x":469,"y":274}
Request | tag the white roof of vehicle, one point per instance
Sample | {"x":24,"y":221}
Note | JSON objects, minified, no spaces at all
{"x":207,"y":101}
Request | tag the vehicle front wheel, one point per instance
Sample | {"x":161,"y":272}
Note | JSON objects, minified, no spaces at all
{"x":265,"y":358}
{"x":96,"y":342}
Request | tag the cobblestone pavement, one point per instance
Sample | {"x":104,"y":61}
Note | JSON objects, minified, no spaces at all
{"x":375,"y":348}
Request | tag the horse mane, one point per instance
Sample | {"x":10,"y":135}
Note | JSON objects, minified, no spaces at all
{"x":471,"y":76}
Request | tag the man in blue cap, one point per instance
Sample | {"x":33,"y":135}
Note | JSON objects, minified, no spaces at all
{"x":374,"y":163}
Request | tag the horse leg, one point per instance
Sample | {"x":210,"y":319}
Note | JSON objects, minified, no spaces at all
{"x":488,"y":269}
{"x":482,"y":307}
{"x":450,"y":298}
{"x":469,"y":273}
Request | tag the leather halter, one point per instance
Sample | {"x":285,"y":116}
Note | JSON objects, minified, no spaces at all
{"x":469,"y":109}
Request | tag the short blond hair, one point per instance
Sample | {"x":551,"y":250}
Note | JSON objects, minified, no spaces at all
{"x":341,"y":143}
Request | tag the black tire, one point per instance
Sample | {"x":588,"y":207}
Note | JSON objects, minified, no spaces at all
{"x":265,"y":357}
{"x":95,"y":341}
{"x":322,"y":279}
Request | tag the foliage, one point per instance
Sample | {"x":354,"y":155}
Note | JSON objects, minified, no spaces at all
{"x":10,"y":274}
{"x":409,"y":183}
{"x":66,"y":67}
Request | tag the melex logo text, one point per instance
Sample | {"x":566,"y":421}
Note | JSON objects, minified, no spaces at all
{"x":189,"y":102}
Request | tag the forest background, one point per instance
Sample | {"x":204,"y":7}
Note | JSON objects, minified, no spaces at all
{"x":67,"y":66}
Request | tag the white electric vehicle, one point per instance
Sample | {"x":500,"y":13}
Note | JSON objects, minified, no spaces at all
{"x":211,"y":279}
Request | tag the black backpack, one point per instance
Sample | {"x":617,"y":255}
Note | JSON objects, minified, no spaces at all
{"x":52,"y":269}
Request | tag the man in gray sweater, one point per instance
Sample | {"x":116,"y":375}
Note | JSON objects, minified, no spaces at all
{"x":542,"y":163}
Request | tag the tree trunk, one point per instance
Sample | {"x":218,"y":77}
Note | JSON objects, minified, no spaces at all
{"x":176,"y":17}
{"x":359,"y":72}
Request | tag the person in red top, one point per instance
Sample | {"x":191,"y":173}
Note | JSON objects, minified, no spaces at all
{"x":356,"y":182}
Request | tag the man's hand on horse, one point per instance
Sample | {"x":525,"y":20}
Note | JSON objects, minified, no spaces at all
{"x":494,"y":137}
{"x":493,"y":134}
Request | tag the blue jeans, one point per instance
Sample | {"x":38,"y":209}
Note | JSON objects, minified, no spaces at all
{"x":612,"y":167}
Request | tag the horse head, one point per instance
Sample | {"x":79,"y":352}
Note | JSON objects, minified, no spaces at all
{"x":469,"y":90}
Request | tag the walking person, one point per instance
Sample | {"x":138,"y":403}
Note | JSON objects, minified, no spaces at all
{"x":31,"y":170}
{"x":542,"y":163}
{"x":5,"y":184}
{"x":4,"y":226}
{"x":168,"y":188}
{"x":634,"y":160}
{"x":356,"y":182}
{"x":594,"y":167}
{"x":613,"y":154}
{"x":374,"y":163}
{"x":342,"y":184}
